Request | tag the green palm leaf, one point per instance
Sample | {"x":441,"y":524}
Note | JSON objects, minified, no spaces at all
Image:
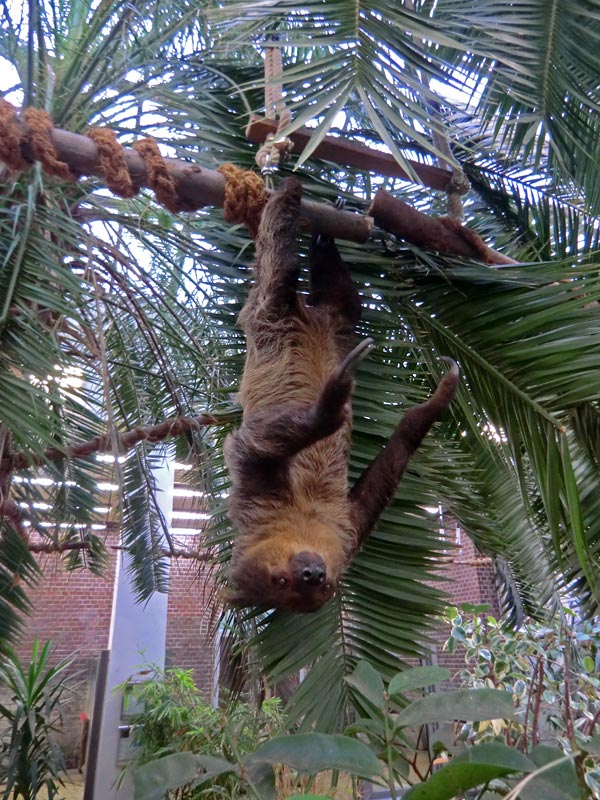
{"x":141,"y":306}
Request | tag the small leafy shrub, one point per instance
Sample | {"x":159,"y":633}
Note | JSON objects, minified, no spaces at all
{"x":175,"y":718}
{"x":552,"y":672}
{"x":30,"y":759}
{"x":378,"y":746}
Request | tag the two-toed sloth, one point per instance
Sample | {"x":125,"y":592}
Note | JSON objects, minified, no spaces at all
{"x":298,"y":522}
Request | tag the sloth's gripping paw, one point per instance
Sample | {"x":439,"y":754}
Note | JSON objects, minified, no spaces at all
{"x":333,"y":406}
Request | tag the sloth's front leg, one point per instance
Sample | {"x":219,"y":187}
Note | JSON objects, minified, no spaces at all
{"x":280,"y":432}
{"x":376,"y":487}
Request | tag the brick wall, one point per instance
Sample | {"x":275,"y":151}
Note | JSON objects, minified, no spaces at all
{"x":191,"y":624}
{"x":73,"y":611}
{"x":469,"y":579}
{"x":70,"y":608}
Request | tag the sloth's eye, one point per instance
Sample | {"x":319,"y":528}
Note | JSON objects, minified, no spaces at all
{"x":281,"y":581}
{"x":328,"y":587}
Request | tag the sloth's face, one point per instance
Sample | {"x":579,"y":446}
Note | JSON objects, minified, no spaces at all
{"x":304,"y":585}
{"x":300,"y":581}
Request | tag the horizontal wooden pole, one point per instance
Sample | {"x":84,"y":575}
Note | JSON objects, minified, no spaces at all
{"x":352,"y":154}
{"x":199,"y":186}
{"x":442,"y":235}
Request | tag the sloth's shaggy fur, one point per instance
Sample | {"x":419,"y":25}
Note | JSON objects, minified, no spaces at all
{"x":298,"y":524}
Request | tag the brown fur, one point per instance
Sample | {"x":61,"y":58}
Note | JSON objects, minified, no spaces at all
{"x":297,"y":524}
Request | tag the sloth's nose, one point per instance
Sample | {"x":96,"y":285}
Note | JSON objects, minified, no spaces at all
{"x":313,"y":574}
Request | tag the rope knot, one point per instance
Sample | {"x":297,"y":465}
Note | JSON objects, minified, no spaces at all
{"x":245,"y":197}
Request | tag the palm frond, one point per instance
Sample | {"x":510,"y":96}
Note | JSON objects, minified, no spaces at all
{"x":18,"y":574}
{"x":142,"y":305}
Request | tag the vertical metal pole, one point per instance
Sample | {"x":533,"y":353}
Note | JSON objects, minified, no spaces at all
{"x":137,"y":638}
{"x":94,"y":738}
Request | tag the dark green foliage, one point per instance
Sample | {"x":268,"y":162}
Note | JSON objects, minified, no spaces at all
{"x":30,"y":756}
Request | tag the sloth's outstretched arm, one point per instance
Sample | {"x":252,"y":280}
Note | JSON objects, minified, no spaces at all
{"x":376,"y":487}
{"x":268,"y":436}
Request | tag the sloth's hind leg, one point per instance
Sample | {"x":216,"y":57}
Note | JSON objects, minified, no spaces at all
{"x":330,"y":281}
{"x":275,"y":434}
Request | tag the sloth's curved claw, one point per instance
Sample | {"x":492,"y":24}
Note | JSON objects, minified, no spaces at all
{"x":453,"y":366}
{"x":355,"y":356}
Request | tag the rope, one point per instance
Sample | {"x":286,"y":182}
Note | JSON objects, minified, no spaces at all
{"x":113,"y":166}
{"x":39,"y":124}
{"x":274,"y":150}
{"x":159,"y":178}
{"x":38,"y":137}
{"x":245,"y":192}
{"x":245,"y":197}
{"x":274,"y":103}
{"x":36,"y":134}
{"x":10,"y":138}
{"x":457,"y":186}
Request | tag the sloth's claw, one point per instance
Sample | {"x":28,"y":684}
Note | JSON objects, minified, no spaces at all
{"x":354,"y":357}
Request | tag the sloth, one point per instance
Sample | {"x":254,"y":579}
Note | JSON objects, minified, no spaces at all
{"x":298,"y":523}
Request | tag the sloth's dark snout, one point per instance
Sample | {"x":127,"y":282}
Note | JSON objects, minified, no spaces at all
{"x":310,"y":568}
{"x":313,"y":575}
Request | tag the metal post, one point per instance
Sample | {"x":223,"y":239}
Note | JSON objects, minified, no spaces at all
{"x":137,"y":638}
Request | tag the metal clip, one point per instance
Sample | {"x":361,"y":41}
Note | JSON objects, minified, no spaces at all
{"x":267,"y":169}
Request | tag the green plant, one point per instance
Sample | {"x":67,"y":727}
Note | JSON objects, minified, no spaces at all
{"x":29,"y":758}
{"x":256,"y":773}
{"x":552,"y":672}
{"x":378,"y":746}
{"x":174,"y":718}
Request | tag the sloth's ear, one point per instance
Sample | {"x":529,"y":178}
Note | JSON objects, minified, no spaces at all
{"x":229,"y":596}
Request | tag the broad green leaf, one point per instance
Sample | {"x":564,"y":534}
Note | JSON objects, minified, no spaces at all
{"x":461,"y":704}
{"x":417,"y":678}
{"x":591,"y":745}
{"x":471,"y":768}
{"x":314,"y":752}
{"x":152,"y":781}
{"x":367,"y":682}
{"x":554,"y":779}
{"x":589,"y":664}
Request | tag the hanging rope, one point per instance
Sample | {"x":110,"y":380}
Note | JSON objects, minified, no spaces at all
{"x":275,"y":149}
{"x":274,"y":103}
{"x":458,"y":185}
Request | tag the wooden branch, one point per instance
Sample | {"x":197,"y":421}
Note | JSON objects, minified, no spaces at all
{"x":119,"y":442}
{"x":198,"y":186}
{"x":177,"y":552}
{"x":442,"y":235}
{"x":64,"y":547}
{"x":351,"y":154}
{"x":56,"y":547}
